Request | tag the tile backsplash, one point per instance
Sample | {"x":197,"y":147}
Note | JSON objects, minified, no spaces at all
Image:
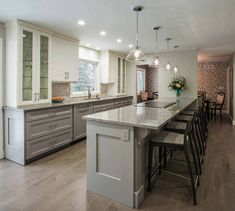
{"x":61,"y":89}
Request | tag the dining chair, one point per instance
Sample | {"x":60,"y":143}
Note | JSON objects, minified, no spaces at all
{"x":217,"y":105}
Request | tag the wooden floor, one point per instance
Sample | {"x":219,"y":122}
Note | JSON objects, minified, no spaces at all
{"x":58,"y":182}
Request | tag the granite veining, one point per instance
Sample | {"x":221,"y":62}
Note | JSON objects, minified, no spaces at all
{"x":144,"y":117}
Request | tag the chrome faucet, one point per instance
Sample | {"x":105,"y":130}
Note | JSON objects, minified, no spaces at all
{"x":89,"y":92}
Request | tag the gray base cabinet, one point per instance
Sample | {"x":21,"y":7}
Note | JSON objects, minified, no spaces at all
{"x":79,"y":125}
{"x":30,"y":134}
{"x":44,"y":144}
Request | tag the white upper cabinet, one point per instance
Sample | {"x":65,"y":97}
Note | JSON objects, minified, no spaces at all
{"x":108,"y":66}
{"x":113,"y":71}
{"x":64,"y":60}
{"x":28,"y":64}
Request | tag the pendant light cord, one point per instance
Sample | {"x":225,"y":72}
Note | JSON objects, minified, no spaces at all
{"x":137,"y":29}
{"x":156,"y":41}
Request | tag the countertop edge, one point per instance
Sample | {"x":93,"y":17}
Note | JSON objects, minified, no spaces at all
{"x":50,"y":105}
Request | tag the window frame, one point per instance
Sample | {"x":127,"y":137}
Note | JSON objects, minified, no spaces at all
{"x":85,"y":93}
{"x":144,"y":71}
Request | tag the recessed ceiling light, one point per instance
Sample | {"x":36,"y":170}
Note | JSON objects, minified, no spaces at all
{"x":119,"y":40}
{"x":103,"y":33}
{"x":81,"y":22}
{"x":97,"y":48}
{"x":130,"y":46}
{"x":88,"y":45}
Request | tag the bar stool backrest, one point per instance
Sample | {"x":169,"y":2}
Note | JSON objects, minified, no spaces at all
{"x":189,"y":128}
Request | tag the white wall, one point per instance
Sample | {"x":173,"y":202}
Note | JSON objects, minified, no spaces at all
{"x":131,"y":80}
{"x":187,"y":63}
{"x":2,"y":65}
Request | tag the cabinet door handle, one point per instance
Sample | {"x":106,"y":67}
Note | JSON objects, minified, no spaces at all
{"x":35,"y":96}
{"x":65,"y":75}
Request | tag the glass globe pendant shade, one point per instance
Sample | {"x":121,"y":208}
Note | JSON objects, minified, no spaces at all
{"x":168,"y":66}
{"x":136,"y":55}
{"x":156,"y":62}
{"x":175,"y":69}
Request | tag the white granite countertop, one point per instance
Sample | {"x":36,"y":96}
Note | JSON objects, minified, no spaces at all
{"x":139,"y":116}
{"x":70,"y":101}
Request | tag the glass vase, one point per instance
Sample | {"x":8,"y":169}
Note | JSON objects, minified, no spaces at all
{"x":178,"y":97}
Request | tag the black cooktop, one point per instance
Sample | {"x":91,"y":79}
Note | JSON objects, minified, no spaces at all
{"x":155,"y":104}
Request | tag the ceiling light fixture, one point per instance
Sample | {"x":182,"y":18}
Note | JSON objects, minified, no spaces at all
{"x":103,"y":33}
{"x":130,"y":46}
{"x":81,"y":22}
{"x":155,"y":62}
{"x":168,"y":64}
{"x":175,"y":66}
{"x":98,"y":48}
{"x":88,"y":45}
{"x":119,"y":40}
{"x":136,"y":54}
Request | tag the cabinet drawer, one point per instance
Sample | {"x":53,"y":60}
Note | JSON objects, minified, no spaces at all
{"x":105,"y":107}
{"x":83,"y":106}
{"x":106,"y":102}
{"x":39,"y":128}
{"x":44,"y":144}
{"x":48,"y":113}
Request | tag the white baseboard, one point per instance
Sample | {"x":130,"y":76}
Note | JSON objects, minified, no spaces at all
{"x":1,"y":154}
{"x":138,"y":197}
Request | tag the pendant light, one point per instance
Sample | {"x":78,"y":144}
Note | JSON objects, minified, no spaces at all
{"x":175,"y":66}
{"x":136,"y":54}
{"x":155,"y":62}
{"x":168,"y":64}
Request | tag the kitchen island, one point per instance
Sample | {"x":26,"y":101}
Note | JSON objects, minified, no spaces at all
{"x":117,"y":147}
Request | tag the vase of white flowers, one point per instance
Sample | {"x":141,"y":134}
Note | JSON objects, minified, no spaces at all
{"x":178,"y":84}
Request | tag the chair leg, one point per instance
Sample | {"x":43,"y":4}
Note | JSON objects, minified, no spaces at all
{"x":200,"y":138}
{"x":150,"y":165}
{"x":160,"y":160}
{"x":191,"y":175}
{"x":220,"y":113}
{"x":164,"y":156}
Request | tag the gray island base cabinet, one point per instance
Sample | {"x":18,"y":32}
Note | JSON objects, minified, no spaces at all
{"x":117,"y":155}
{"x":34,"y":131}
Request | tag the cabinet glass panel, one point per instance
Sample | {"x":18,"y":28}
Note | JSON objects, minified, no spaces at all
{"x":123,"y":76}
{"x":27,"y":65}
{"x":119,"y":75}
{"x":44,"y":47}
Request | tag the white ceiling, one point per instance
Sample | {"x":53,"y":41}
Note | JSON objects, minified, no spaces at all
{"x":207,"y":25}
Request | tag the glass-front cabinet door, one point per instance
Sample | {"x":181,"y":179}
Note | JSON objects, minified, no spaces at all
{"x":27,"y":66}
{"x":34,"y":56}
{"x":44,"y":64}
{"x":121,"y":76}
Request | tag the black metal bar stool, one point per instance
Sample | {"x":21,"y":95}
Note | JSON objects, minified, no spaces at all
{"x":199,"y":129}
{"x":180,"y":127}
{"x":171,"y":140}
